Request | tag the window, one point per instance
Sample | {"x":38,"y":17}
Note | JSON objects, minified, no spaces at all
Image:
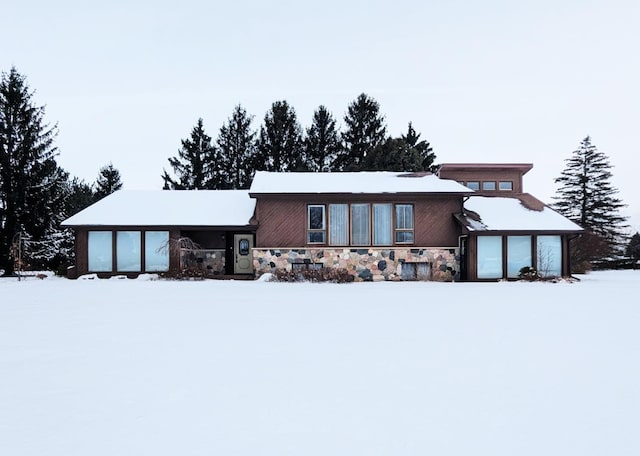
{"x":360,"y":224}
{"x":549,"y":253}
{"x":488,"y":185}
{"x":382,"y":224}
{"x":489,"y":257}
{"x":100,"y":251}
{"x":506,"y":186}
{"x":128,"y":251}
{"x":473,"y":185}
{"x":404,"y":224}
{"x":156,"y":251}
{"x":518,"y":254}
{"x":339,"y":224}
{"x":316,"y":232}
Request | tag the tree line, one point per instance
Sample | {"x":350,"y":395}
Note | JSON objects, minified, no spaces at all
{"x":36,"y":194}
{"x":281,"y":144}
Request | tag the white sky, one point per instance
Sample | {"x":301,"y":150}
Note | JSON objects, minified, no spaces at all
{"x":491,"y":81}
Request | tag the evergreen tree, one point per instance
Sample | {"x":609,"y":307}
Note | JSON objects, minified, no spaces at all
{"x":237,"y":146}
{"x":322,"y":144}
{"x":196,"y":167}
{"x":587,"y":197}
{"x":79,"y":195}
{"x":365,"y":130}
{"x":31,"y":182}
{"x":395,"y":154}
{"x":108,"y":181}
{"x":280,"y":140}
{"x":633,"y":248}
{"x":423,"y":148}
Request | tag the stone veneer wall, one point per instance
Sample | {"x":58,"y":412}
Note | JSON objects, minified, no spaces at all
{"x":366,"y":264}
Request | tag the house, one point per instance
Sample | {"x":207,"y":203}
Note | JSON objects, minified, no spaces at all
{"x":467,"y":222}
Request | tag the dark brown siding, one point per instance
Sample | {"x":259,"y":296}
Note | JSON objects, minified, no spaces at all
{"x":282,"y":221}
{"x":434,"y":222}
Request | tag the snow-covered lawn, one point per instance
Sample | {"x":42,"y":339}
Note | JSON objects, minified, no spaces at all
{"x":132,"y":367}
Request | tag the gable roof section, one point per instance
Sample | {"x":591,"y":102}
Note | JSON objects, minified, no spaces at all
{"x":522,"y":213}
{"x":168,"y":208}
{"x":363,"y":182}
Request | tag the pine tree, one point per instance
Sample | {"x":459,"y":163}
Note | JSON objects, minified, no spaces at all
{"x":322,"y":143}
{"x":423,"y":148}
{"x":280,"y":140}
{"x":365,"y":130}
{"x":587,"y":197}
{"x":31,"y":182}
{"x":237,"y":146}
{"x":196,"y":167}
{"x":108,"y":181}
{"x":393,"y":155}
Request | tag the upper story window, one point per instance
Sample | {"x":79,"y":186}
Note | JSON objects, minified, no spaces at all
{"x":360,"y":224}
{"x":506,"y":186}
{"x":488,"y":185}
{"x":473,"y":185}
{"x":316,"y":224}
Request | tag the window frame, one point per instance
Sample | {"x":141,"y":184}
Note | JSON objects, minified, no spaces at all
{"x":397,"y":230}
{"x":486,"y":184}
{"x":390,"y":224}
{"x":472,"y":184}
{"x":368,"y":224}
{"x":510,"y":189}
{"x":322,"y":230}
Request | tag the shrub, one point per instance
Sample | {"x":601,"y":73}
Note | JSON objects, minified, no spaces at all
{"x":187,"y":273}
{"x":332,"y":275}
{"x":528,"y":273}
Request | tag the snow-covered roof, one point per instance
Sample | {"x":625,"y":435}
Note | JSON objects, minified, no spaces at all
{"x":509,"y":214}
{"x":169,"y":208}
{"x":355,"y":182}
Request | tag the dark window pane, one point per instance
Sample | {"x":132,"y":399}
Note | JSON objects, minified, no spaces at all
{"x":315,"y":237}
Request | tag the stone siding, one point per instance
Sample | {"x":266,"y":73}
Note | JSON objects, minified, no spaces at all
{"x":366,"y":264}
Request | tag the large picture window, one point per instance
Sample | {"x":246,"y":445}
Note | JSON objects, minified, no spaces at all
{"x":339,"y":224}
{"x":156,"y":251}
{"x":404,"y":224}
{"x":100,"y":251}
{"x":549,"y":253}
{"x":360,"y":224}
{"x":316,"y":224}
{"x":128,"y":251}
{"x":382,"y":224}
{"x":489,"y":257}
{"x":518,"y":255}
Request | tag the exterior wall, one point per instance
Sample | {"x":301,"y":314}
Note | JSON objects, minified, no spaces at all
{"x":366,"y":264}
{"x":283,"y":221}
{"x":481,"y":175}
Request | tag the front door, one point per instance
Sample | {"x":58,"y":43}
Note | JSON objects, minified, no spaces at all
{"x":242,"y":255}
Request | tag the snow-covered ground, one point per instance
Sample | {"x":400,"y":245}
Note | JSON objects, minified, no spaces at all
{"x":133,"y":367}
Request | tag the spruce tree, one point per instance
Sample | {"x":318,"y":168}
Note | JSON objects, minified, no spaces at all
{"x":322,"y":143}
{"x":31,"y":182}
{"x":395,"y":154}
{"x":587,"y":197}
{"x":280,"y":140}
{"x":108,"y":181}
{"x":365,"y":130}
{"x":196,"y":167}
{"x":237,"y":146}
{"x":423,"y":149}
